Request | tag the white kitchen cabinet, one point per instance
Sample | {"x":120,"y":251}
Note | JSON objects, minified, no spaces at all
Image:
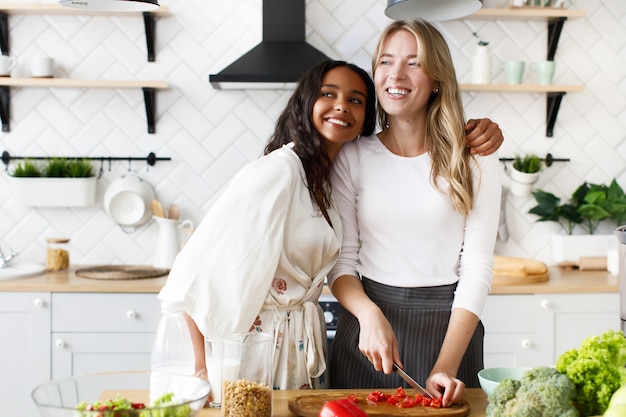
{"x":98,"y":332}
{"x":535,"y":329}
{"x":24,"y":349}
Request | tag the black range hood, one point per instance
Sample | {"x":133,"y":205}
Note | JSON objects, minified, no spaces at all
{"x":281,"y":58}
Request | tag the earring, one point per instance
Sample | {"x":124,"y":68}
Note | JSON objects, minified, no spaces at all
{"x":436,"y":90}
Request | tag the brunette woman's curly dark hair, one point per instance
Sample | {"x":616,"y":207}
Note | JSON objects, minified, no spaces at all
{"x":295,"y":124}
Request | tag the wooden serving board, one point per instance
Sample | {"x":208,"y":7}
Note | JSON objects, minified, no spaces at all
{"x":311,"y":404}
{"x":519,"y":280}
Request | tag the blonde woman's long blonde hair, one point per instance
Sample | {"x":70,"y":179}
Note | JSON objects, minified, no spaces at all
{"x":445,"y":120}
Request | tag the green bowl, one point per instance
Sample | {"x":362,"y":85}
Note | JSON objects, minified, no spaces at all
{"x":489,"y":378}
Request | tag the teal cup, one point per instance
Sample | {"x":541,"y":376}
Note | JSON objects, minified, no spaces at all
{"x":514,"y":71}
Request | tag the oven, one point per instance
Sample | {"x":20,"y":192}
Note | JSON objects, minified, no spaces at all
{"x":330,"y":306}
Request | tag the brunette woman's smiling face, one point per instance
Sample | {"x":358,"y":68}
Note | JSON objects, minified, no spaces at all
{"x":339,"y":111}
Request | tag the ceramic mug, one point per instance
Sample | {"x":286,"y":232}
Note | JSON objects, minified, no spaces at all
{"x":545,"y":71}
{"x":514,"y":71}
{"x":6,"y":65}
{"x":41,"y":67}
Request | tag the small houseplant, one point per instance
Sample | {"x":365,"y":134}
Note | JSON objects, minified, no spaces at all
{"x":524,"y":174}
{"x":589,"y":207}
{"x":60,"y":182}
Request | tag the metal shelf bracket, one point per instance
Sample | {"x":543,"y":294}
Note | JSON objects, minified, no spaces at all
{"x":149,"y":22}
{"x":552,"y":110}
{"x":5,"y":108}
{"x":555,"y":26}
{"x":4,"y":33}
{"x":149,"y":98}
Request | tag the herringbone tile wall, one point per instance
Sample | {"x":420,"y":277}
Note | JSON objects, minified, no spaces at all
{"x":210,"y":134}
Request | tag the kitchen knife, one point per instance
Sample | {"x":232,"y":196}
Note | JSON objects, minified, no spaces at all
{"x":411,"y":381}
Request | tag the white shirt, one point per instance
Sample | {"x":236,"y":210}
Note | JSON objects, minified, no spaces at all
{"x":400,"y":230}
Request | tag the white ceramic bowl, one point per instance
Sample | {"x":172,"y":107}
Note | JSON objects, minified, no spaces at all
{"x":489,"y":378}
{"x":128,"y":201}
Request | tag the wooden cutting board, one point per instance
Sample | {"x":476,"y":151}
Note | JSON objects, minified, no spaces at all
{"x":311,"y":404}
{"x":518,"y":271}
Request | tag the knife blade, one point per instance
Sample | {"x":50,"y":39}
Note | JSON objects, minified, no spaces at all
{"x":411,"y":381}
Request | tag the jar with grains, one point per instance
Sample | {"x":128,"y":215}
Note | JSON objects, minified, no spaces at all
{"x":247,"y":375}
{"x":57,"y":254}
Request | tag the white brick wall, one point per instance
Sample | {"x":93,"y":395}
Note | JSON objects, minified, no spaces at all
{"x":210,"y":134}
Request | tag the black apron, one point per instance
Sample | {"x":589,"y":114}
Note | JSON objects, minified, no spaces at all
{"x":419,"y":318}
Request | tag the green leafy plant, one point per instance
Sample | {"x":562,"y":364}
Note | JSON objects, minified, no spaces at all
{"x":27,"y":169}
{"x":589,"y":205}
{"x":528,"y":163}
{"x":56,"y":168}
{"x":480,"y":41}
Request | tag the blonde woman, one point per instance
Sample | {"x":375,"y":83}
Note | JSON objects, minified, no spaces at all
{"x":420,"y":215}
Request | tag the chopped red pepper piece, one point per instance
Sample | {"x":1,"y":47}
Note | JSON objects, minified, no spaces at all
{"x":341,"y":408}
{"x":407,"y":402}
{"x":353,"y":398}
{"x":392,"y":400}
{"x":400,"y":393}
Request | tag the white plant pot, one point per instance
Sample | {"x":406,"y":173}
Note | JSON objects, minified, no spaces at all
{"x":570,"y":248}
{"x":522,"y":182}
{"x":55,"y":192}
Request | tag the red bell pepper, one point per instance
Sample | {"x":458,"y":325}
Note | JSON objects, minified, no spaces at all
{"x":341,"y":408}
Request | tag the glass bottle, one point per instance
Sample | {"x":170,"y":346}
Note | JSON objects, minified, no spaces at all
{"x":172,"y":352}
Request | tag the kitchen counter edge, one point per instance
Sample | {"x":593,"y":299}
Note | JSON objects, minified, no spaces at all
{"x":560,"y":281}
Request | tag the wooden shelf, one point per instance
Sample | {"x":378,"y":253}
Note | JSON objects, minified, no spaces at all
{"x":149,"y":89}
{"x":555,"y":18}
{"x":523,"y":88}
{"x":74,"y":83}
{"x":56,"y":9}
{"x":525,"y":13}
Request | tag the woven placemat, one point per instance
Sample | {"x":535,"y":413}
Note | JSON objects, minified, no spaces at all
{"x":121,"y":272}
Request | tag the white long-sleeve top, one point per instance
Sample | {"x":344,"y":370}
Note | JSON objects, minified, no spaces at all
{"x":400,"y":230}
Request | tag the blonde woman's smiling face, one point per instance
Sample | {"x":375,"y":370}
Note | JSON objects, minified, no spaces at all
{"x":339,"y":111}
{"x":402,"y":87}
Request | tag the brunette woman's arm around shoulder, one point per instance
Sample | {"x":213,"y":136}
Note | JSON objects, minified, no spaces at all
{"x":484,"y":136}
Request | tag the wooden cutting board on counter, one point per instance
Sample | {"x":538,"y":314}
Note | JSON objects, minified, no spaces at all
{"x":310,"y":405}
{"x":518,"y":271}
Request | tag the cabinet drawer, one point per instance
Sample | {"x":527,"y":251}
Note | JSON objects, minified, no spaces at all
{"x":509,"y":314}
{"x":99,"y":312}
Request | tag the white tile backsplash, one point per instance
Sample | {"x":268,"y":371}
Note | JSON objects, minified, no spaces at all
{"x":210,"y":134}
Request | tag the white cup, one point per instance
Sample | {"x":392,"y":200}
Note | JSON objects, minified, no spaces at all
{"x":6,"y":65}
{"x":41,"y":67}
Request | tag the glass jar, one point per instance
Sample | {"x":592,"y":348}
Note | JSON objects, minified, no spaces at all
{"x":57,"y":254}
{"x":247,"y":375}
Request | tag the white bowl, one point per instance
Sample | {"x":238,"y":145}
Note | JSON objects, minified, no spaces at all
{"x":490,"y":378}
{"x":128,"y":201}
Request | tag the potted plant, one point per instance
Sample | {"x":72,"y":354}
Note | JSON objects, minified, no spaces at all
{"x":524,"y":174}
{"x":60,"y":182}
{"x":589,"y":207}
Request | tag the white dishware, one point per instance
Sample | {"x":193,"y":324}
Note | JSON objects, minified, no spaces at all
{"x":6,"y":65}
{"x":169,"y":241}
{"x":41,"y":67}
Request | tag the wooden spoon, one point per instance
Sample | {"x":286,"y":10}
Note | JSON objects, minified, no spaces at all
{"x":173,"y":212}
{"x":157,"y":209}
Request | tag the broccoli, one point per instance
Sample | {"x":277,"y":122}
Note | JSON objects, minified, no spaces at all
{"x":597,"y":370}
{"x":541,"y":391}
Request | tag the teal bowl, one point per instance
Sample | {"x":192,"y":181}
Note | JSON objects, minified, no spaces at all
{"x":489,"y":378}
